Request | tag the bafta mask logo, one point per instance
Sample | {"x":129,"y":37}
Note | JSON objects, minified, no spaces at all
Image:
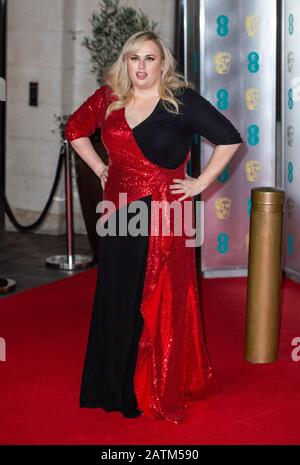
{"x":252,"y":170}
{"x":252,"y":97}
{"x":222,"y":207}
{"x":290,"y":208}
{"x":290,"y":136}
{"x":247,"y":241}
{"x":290,"y":61}
{"x":222,"y":62}
{"x":252,"y":25}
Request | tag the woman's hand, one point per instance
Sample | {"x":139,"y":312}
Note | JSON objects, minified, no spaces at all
{"x":221,"y":156}
{"x":189,"y":186}
{"x":102,"y":172}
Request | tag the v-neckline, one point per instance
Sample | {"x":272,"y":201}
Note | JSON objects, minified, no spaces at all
{"x":144,"y":120}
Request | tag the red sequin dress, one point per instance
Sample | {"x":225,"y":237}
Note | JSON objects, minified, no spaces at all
{"x":146,"y":351}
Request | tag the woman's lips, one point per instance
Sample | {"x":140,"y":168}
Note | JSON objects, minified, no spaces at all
{"x":141,"y":75}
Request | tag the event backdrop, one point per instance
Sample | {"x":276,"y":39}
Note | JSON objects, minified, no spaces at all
{"x":291,"y":134}
{"x":237,"y":74}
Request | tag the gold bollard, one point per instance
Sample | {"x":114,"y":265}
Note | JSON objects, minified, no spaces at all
{"x":264,"y":275}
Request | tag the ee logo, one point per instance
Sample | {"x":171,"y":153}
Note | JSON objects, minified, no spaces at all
{"x":222,"y":22}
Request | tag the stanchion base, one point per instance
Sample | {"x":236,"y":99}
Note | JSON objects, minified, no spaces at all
{"x":75,"y":262}
{"x":7,"y":285}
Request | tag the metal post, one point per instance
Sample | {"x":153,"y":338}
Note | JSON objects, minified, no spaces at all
{"x":70,"y":261}
{"x":264,"y":275}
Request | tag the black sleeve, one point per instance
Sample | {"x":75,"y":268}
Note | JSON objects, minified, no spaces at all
{"x":209,"y":122}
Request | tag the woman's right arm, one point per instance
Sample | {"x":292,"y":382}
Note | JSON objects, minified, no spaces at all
{"x":82,"y":124}
{"x":86,"y":151}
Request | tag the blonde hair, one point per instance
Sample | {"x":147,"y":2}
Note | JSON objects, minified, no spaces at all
{"x":117,"y":77}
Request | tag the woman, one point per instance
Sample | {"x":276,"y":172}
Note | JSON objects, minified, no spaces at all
{"x":146,"y":351}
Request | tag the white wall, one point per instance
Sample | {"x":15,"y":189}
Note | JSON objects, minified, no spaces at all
{"x":41,"y":47}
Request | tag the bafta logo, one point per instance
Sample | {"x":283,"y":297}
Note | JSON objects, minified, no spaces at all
{"x":222,"y":62}
{"x":290,"y":61}
{"x":290,"y":208}
{"x":252,"y":97}
{"x":252,"y":170}
{"x":290,"y":136}
{"x":222,"y":207}
{"x":252,"y":25}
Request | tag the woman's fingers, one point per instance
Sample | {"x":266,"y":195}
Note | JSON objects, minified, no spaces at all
{"x":178,"y":191}
{"x":175,"y":185}
{"x":103,"y":177}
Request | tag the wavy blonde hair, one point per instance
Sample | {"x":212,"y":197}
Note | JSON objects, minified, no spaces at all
{"x":117,"y":77}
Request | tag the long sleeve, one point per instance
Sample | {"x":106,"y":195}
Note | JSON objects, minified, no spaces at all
{"x":209,"y":122}
{"x":88,"y":117}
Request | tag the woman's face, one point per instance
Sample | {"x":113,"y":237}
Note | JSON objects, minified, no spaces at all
{"x":145,"y":66}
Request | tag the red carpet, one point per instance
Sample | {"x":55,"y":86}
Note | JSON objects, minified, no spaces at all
{"x":46,"y":330}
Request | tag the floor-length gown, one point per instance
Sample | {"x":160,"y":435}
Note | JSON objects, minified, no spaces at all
{"x":146,"y":350}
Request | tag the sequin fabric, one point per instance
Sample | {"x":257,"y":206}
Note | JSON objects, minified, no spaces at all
{"x":173,"y":364}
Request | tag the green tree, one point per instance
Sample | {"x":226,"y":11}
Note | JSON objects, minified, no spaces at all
{"x":111,"y":27}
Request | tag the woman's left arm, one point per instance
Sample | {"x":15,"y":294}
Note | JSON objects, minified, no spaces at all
{"x":210,"y":123}
{"x":190,"y":186}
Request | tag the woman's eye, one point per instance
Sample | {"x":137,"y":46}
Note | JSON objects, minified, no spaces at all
{"x":148,"y":58}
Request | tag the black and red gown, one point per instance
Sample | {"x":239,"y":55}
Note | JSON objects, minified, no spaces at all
{"x":146,"y":350}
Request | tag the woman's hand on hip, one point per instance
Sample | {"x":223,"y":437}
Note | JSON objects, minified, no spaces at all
{"x":189,"y":186}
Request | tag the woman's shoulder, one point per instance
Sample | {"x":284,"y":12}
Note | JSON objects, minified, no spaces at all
{"x":187,"y":95}
{"x":192,"y":99}
{"x":104,"y":90}
{"x":101,"y":97}
{"x":184,"y":90}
